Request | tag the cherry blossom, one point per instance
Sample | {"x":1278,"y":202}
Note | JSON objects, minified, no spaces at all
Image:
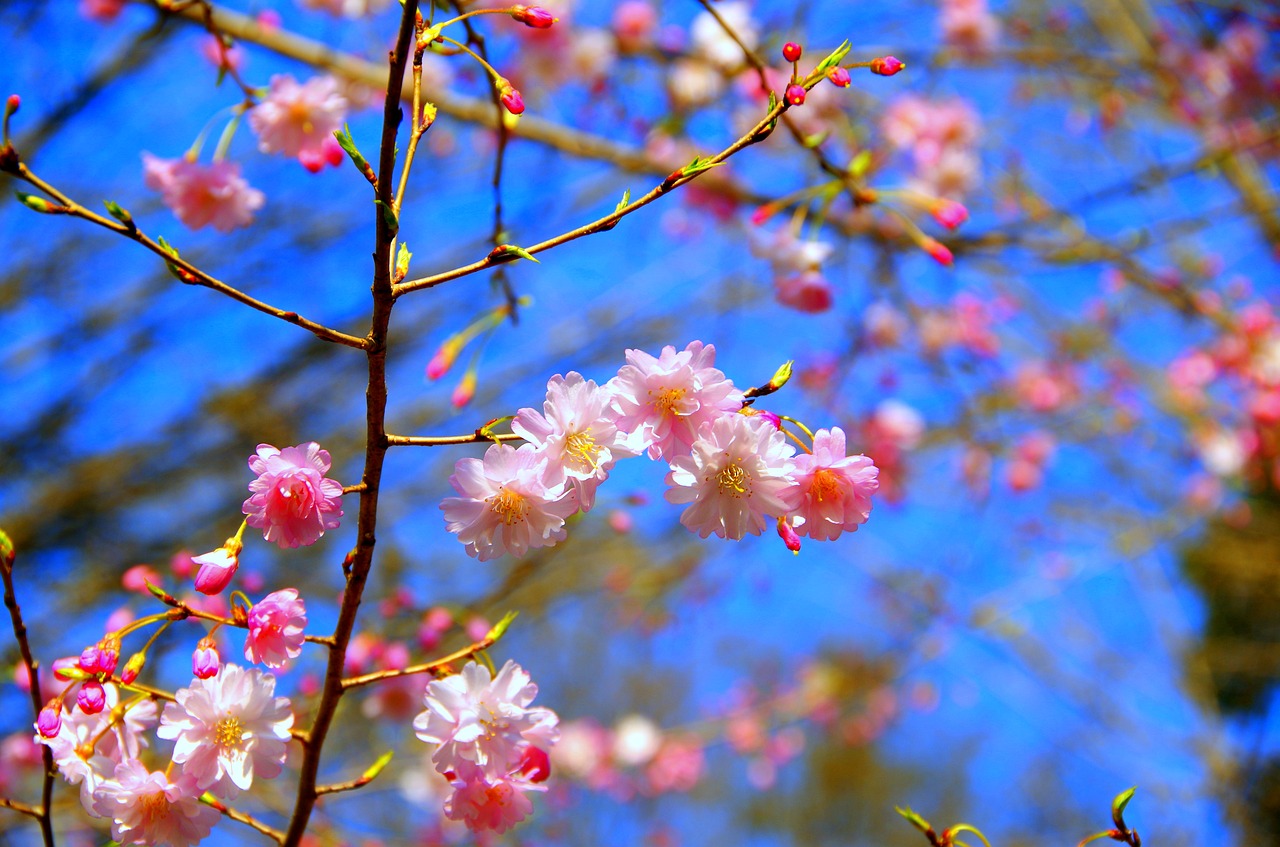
{"x":578,"y":435}
{"x":203,"y":195}
{"x":664,"y":401}
{"x":228,"y":729}
{"x":275,"y":628}
{"x":217,"y":567}
{"x":296,"y":118}
{"x":485,"y":721}
{"x":293,"y":502}
{"x":739,"y":470}
{"x":506,"y":504}
{"x":146,"y":808}
{"x":835,"y":488}
{"x":485,"y":802}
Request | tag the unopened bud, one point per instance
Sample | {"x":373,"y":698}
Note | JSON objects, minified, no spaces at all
{"x":205,"y":660}
{"x":939,"y":252}
{"x":92,"y":697}
{"x":791,"y":51}
{"x":510,"y":97}
{"x":12,"y":104}
{"x":132,"y":668}
{"x":536,"y":764}
{"x":795,"y":94}
{"x":465,"y":390}
{"x":949,"y":213}
{"x":839,"y":76}
{"x":49,"y":721}
{"x":788,"y":535}
{"x":886,"y":66}
{"x":534,"y":16}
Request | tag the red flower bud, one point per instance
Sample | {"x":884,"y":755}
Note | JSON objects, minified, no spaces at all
{"x":886,"y":66}
{"x":92,"y":697}
{"x":949,"y":213}
{"x":839,"y":76}
{"x":510,"y":98}
{"x":791,"y":51}
{"x":795,"y":94}
{"x":49,"y":721}
{"x":534,"y":16}
{"x":788,"y":535}
{"x":11,"y":105}
{"x":132,"y":668}
{"x":939,"y":252}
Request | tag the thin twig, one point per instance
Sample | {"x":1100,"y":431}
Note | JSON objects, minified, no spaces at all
{"x":476,"y":437}
{"x":244,"y":818}
{"x":427,"y":667}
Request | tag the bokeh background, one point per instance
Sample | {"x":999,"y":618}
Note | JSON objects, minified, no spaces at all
{"x":1067,"y":585}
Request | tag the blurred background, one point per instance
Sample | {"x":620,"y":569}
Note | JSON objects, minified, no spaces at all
{"x":1067,"y":585}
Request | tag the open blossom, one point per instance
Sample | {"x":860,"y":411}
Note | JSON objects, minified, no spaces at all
{"x":664,"y":401}
{"x":487,"y":803}
{"x":228,"y":729}
{"x":835,"y":489}
{"x":296,"y":118}
{"x":578,"y":436}
{"x":293,"y":502}
{"x":805,"y":292}
{"x":739,"y":470}
{"x":506,"y":506}
{"x":80,"y":765}
{"x":203,"y":195}
{"x":484,"y":721}
{"x":969,"y":26}
{"x":146,"y":808}
{"x":275,"y":628}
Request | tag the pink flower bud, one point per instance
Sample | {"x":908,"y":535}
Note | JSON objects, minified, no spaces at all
{"x":465,"y":390}
{"x":216,"y":569}
{"x":442,"y":360}
{"x":949,"y":213}
{"x":795,"y":94}
{"x":11,"y":105}
{"x":92,"y":697}
{"x":49,"y":721}
{"x":791,"y":51}
{"x":89,"y":659}
{"x":939,"y":252}
{"x":132,"y":668}
{"x":534,"y":16}
{"x":311,"y":160}
{"x":771,"y":418}
{"x":512,"y":100}
{"x":788,"y":535}
{"x":205,"y":659}
{"x":60,"y":667}
{"x":886,"y":66}
{"x":839,"y":76}
{"x":137,"y":577}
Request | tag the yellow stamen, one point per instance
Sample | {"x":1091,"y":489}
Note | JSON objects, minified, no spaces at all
{"x":667,"y":399}
{"x":228,"y":732}
{"x":581,"y":447}
{"x":508,"y":506}
{"x":733,"y":480}
{"x":825,"y":485}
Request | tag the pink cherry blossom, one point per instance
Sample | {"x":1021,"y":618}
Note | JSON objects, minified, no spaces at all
{"x":228,"y":729}
{"x":664,"y":401}
{"x":739,"y":470}
{"x":216,"y":569}
{"x":146,"y":808}
{"x":805,"y":292}
{"x":203,"y":195}
{"x":275,"y":628}
{"x":488,"y":803}
{"x":578,"y":436}
{"x":834,"y":488}
{"x":293,"y":502}
{"x":506,"y":505}
{"x":295,"y":119}
{"x":969,"y":26}
{"x":484,"y":721}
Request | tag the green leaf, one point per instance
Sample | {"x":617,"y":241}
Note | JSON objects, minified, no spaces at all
{"x":1118,"y":806}
{"x":373,"y":770}
{"x":698,"y":165}
{"x":38,"y":204}
{"x":782,"y":375}
{"x":7,"y":551}
{"x":914,"y":819}
{"x":860,"y":165}
{"x":403,"y":258}
{"x":501,"y":627}
{"x":832,"y":60}
{"x":121,"y":214}
{"x":388,"y":216}
{"x":624,"y":202}
{"x":510,"y":252}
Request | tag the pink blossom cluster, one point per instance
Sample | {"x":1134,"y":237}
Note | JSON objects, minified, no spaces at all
{"x":491,"y":745}
{"x":633,"y":757}
{"x":940,"y":137}
{"x":732,"y":468}
{"x":798,"y":280}
{"x":969,"y":26}
{"x":299,"y":120}
{"x":203,"y":195}
{"x":227,"y":729}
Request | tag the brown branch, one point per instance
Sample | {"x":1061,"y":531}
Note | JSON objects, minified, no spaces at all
{"x":360,"y":560}
{"x":7,"y":557}
{"x":609,"y":221}
{"x":244,"y":818}
{"x":24,"y":808}
{"x":187,"y":272}
{"x":476,"y":437}
{"x":427,"y":667}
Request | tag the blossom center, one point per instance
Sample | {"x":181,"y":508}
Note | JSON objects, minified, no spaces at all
{"x":508,"y":505}
{"x":228,"y":732}
{"x":668,"y":400}
{"x":155,"y":806}
{"x":581,"y":448}
{"x":732,"y":480}
{"x":826,"y":485}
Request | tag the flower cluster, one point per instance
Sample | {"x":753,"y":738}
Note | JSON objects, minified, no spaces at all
{"x":227,"y":729}
{"x":493,"y":748}
{"x":732,"y":467}
{"x":203,"y":195}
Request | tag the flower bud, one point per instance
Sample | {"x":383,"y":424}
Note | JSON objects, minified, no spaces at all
{"x":205,"y":660}
{"x":534,"y":16}
{"x":89,"y":659}
{"x":108,"y":654}
{"x":64,"y":669}
{"x":465,"y":390}
{"x":11,"y":105}
{"x":886,"y":66}
{"x":938,"y":251}
{"x":49,"y":721}
{"x":133,"y":667}
{"x":788,"y":535}
{"x":949,"y":213}
{"x":791,"y":51}
{"x":536,"y":764}
{"x":839,"y":76}
{"x":795,"y":94}
{"x":92,"y":697}
{"x":216,"y":569}
{"x":510,"y":97}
